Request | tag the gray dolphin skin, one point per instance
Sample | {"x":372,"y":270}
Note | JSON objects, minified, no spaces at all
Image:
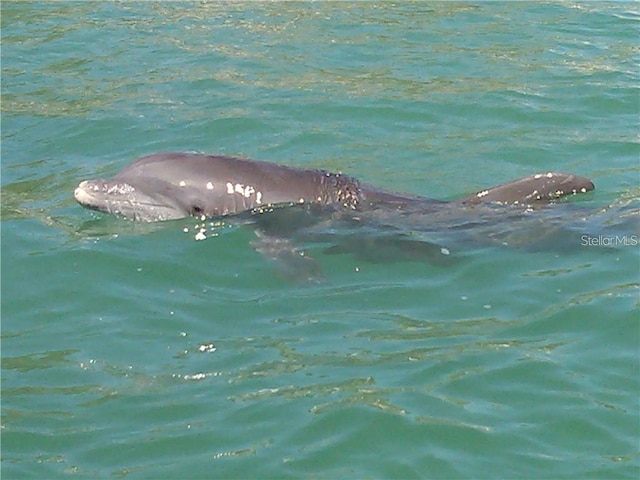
{"x":166,"y":186}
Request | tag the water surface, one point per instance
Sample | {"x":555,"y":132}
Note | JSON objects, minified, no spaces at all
{"x":135,"y":351}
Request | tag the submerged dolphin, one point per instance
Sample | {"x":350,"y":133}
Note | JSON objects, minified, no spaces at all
{"x":167,"y":186}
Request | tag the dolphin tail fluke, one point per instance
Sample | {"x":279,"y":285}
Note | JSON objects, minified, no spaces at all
{"x":541,"y":188}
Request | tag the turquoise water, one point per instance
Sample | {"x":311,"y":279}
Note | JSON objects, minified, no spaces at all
{"x":134,"y":351}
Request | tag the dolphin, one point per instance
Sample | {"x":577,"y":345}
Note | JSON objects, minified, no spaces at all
{"x":167,"y":186}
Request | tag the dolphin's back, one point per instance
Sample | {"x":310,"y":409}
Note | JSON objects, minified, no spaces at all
{"x":227,"y":185}
{"x":532,"y":190}
{"x":174,"y":185}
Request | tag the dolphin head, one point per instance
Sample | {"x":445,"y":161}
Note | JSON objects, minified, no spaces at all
{"x":155,"y":188}
{"x":168,"y":186}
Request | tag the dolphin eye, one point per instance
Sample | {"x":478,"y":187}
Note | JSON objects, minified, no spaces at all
{"x":197,"y":210}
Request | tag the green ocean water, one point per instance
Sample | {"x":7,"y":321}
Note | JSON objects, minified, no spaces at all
{"x":135,"y":351}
